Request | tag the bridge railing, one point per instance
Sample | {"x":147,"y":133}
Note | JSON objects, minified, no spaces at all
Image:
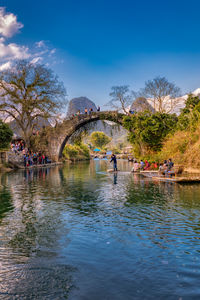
{"x":93,"y":113}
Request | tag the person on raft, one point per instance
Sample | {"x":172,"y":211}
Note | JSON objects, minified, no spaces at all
{"x":114,"y":159}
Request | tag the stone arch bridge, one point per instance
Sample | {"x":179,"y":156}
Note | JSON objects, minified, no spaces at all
{"x":59,"y":135}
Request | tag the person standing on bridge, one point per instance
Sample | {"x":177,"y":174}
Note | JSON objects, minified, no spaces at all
{"x":90,"y":111}
{"x":114,"y":159}
{"x":98,"y":108}
{"x":86,"y":111}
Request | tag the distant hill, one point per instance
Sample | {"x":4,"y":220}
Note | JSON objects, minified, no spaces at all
{"x":141,"y":104}
{"x":80,"y":103}
{"x":179,"y":103}
{"x":109,"y":128}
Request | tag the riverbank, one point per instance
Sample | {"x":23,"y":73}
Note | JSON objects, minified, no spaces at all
{"x":76,"y":159}
{"x":9,"y":167}
{"x":41,"y":165}
{"x":5,"y":168}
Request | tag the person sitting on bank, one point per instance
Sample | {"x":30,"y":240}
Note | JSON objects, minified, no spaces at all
{"x":114,"y":159}
{"x":136,"y":166}
{"x":154,"y":166}
{"x":142,"y":164}
{"x":162,"y":169}
{"x":170,"y":170}
{"x":170,"y":165}
{"x":147,"y":165}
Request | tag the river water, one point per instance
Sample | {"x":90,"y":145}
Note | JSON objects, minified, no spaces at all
{"x":78,"y":232}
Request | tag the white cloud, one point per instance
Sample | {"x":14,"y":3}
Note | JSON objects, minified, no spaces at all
{"x":8,"y":23}
{"x":5,"y":66}
{"x":40,"y":44}
{"x":10,"y":51}
{"x":13,"y":51}
{"x":52,"y":51}
{"x":36,"y":60}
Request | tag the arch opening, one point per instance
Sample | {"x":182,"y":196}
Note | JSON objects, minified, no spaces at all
{"x":82,"y":121}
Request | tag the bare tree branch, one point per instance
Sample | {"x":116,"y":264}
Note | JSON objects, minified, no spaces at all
{"x":30,"y":91}
{"x":162,"y":93}
{"x":120,"y":98}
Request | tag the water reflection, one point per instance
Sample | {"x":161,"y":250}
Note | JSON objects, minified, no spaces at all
{"x":5,"y":201}
{"x":80,"y":232}
{"x":115,"y":178}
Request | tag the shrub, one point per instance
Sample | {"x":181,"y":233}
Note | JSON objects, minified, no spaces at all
{"x":74,"y":152}
{"x":5,"y":135}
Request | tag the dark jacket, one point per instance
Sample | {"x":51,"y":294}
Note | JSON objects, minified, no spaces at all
{"x":113,"y":158}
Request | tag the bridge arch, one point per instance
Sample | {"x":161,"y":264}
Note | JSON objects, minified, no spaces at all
{"x":65,"y":130}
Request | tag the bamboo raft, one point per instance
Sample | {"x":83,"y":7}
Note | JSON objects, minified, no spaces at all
{"x":178,"y":179}
{"x":146,"y":173}
{"x":174,"y":179}
{"x":111,"y":171}
{"x":154,"y":175}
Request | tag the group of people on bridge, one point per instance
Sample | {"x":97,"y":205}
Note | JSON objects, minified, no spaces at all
{"x":87,"y":111}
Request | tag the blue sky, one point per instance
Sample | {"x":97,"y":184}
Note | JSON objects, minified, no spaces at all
{"x":93,"y":45}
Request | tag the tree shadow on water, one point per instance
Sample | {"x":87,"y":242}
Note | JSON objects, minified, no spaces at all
{"x":6,"y":204}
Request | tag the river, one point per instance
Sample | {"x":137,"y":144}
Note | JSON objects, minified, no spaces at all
{"x":78,"y":232}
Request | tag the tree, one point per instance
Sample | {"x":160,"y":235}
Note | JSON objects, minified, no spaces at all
{"x":190,"y":114}
{"x":99,"y":139}
{"x":121,"y":98}
{"x":5,"y":135}
{"x":29,"y":92}
{"x":191,"y":103}
{"x":162,"y":93}
{"x":149,"y":130}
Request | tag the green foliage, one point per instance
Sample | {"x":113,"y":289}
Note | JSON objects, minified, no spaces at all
{"x":84,"y":151}
{"x":76,"y":152}
{"x":99,"y":139}
{"x":5,"y":135}
{"x":115,"y":149}
{"x":191,"y":103}
{"x":190,"y":115}
{"x":183,"y":143}
{"x":70,"y":152}
{"x":148,"y":130}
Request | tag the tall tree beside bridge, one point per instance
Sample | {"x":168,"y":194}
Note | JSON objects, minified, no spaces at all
{"x":121,"y":98}
{"x":162,"y":94}
{"x":29,"y":92}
